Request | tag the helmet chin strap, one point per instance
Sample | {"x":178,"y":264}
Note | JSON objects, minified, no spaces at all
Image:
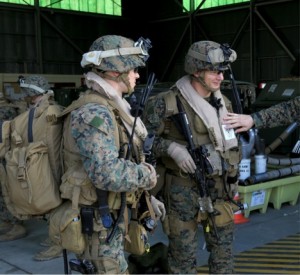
{"x":123,"y":77}
{"x":201,"y":80}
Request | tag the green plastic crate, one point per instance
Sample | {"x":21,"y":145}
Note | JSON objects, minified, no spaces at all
{"x":288,"y":191}
{"x":258,"y":196}
{"x":255,"y":196}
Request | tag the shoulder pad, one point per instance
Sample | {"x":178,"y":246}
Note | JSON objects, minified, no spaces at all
{"x":228,"y":103}
{"x":170,"y":101}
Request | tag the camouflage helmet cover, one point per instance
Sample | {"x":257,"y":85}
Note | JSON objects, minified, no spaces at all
{"x":208,"y":55}
{"x":33,"y":85}
{"x":116,"y":53}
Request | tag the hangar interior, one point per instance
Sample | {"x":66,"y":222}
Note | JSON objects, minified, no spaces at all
{"x":45,"y":37}
{"x":47,"y":40}
{"x":37,"y":37}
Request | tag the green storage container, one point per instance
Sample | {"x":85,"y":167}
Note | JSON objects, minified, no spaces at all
{"x":258,"y":196}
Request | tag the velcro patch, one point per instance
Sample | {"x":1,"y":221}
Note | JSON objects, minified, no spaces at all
{"x":97,"y":121}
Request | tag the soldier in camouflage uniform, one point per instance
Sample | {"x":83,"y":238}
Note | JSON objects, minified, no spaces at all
{"x":10,"y":227}
{"x":38,"y":92}
{"x":7,"y":110}
{"x":281,"y":114}
{"x":199,"y":93}
{"x":96,"y":138}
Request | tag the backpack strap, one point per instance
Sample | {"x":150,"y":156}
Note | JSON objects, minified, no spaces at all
{"x":170,"y":101}
{"x":22,"y":167}
{"x":1,"y":123}
{"x":5,"y":132}
{"x":30,"y":122}
{"x":149,"y":205}
{"x":84,"y":99}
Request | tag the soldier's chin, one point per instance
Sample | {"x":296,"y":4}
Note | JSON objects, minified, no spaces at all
{"x":129,"y":91}
{"x":214,"y":89}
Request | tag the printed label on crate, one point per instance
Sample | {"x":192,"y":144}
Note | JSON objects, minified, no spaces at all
{"x":258,"y":198}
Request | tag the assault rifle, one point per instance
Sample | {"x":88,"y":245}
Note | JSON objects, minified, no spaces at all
{"x":200,"y":157}
{"x":137,"y":108}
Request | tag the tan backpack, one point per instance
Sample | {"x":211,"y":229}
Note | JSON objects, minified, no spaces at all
{"x":31,"y":176}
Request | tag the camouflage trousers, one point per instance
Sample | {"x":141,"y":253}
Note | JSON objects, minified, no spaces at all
{"x":5,"y":215}
{"x":107,"y":258}
{"x":182,"y":208}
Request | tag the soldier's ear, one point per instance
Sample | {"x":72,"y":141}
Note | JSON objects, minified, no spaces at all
{"x":199,"y":73}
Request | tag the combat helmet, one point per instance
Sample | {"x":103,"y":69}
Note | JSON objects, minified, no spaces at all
{"x":33,"y":85}
{"x":116,"y":53}
{"x":208,"y":55}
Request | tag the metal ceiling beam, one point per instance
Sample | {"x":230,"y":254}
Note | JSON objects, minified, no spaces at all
{"x":38,"y":36}
{"x":62,"y":34}
{"x":175,"y":50}
{"x":250,"y":18}
{"x":274,"y":34}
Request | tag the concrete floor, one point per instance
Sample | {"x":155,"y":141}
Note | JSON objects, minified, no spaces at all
{"x":16,"y":256}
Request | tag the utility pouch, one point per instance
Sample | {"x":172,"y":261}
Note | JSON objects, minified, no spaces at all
{"x":65,"y":228}
{"x":87,"y":216}
{"x":137,"y":240}
{"x":226,"y":213}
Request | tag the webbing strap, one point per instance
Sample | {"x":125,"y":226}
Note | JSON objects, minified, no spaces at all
{"x":150,"y":208}
{"x":30,"y":122}
{"x":1,"y":123}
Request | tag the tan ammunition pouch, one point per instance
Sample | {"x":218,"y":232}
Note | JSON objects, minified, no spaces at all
{"x":226,"y":216}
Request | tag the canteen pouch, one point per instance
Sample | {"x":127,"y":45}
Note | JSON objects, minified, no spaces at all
{"x":226,"y":216}
{"x":65,"y":228}
{"x":136,"y":242}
